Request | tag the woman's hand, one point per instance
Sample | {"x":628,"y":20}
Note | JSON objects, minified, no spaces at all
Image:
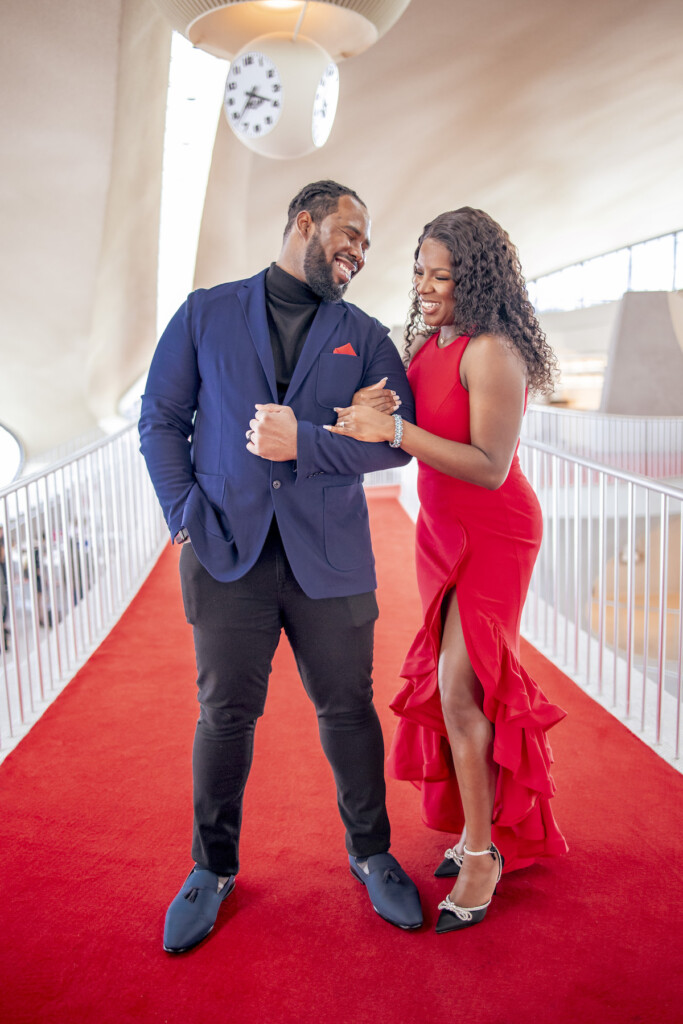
{"x":377,"y":396}
{"x":363,"y":423}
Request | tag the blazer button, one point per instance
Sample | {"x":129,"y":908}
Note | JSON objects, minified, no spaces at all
{"x":276,"y":484}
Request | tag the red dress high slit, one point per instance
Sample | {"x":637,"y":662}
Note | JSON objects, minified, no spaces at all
{"x":484,"y":543}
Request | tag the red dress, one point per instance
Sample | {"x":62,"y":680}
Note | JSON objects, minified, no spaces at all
{"x":484,"y":543}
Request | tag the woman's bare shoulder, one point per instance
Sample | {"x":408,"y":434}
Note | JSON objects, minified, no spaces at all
{"x":492,"y":352}
{"x":497,"y":347}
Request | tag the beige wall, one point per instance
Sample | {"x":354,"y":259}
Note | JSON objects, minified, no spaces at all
{"x":81,"y":122}
{"x":123,"y":331}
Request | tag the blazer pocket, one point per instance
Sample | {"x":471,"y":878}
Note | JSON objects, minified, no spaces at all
{"x":212,"y":487}
{"x":338,"y":379}
{"x":347,"y":530}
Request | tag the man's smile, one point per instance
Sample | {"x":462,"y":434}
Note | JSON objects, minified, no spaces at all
{"x":346,"y":267}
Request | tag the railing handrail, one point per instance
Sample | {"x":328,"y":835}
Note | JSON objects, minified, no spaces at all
{"x":586,"y":414}
{"x":87,"y":449}
{"x":600,"y":467}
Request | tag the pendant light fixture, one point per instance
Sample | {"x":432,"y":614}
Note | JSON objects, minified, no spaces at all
{"x":282,"y":87}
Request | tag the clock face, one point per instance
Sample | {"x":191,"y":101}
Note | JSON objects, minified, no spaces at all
{"x":253,"y":95}
{"x":325,"y":104}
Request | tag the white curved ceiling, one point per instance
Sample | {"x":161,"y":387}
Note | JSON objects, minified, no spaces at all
{"x":564,"y":120}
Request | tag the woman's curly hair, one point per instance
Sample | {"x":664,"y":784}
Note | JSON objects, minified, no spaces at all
{"x":490,"y":292}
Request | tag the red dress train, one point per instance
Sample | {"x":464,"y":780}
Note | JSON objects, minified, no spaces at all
{"x":484,"y":543}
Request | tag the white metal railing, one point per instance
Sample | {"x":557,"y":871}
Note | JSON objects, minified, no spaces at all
{"x":383,"y":478}
{"x":605,"y":598}
{"x":649,"y":445}
{"x":77,"y":542}
{"x":604,"y":602}
{"x":65,"y":450}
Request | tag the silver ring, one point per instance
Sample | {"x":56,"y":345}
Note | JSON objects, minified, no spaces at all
{"x":250,"y":434}
{"x":341,"y":423}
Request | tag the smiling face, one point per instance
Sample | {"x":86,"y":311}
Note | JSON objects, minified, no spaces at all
{"x":433,"y":280}
{"x":337,"y":249}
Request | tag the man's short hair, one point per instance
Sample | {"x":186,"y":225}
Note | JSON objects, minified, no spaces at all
{"x":320,"y":198}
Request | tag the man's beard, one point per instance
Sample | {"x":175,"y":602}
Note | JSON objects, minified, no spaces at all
{"x":318,"y":273}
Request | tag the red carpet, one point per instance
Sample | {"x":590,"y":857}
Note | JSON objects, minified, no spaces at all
{"x":95,"y":839}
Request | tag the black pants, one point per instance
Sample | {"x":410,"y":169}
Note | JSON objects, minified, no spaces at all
{"x":236,"y":631}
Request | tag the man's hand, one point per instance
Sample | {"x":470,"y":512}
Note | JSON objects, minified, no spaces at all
{"x":272,"y":433}
{"x":378,"y":397}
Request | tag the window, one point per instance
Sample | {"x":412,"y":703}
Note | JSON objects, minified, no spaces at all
{"x":653,"y":265}
{"x":605,"y":277}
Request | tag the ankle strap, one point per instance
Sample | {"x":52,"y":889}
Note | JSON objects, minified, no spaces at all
{"x":479,"y":853}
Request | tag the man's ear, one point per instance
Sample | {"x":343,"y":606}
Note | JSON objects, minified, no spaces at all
{"x":304,"y":224}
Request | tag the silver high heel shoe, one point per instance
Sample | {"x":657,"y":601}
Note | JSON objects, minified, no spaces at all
{"x":450,"y":865}
{"x":452,"y":917}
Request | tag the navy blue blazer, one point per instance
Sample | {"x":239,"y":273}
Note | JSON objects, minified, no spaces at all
{"x":212,"y":364}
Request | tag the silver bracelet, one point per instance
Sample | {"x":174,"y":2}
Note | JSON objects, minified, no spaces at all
{"x":398,"y":431}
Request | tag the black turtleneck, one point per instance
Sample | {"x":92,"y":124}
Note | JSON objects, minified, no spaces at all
{"x":291,"y":307}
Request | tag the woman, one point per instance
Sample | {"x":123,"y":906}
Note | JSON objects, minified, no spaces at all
{"x":472,"y":728}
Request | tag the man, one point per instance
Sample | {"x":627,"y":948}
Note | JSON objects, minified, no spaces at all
{"x":274,"y":510}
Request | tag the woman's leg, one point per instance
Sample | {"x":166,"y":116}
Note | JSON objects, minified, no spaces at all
{"x":471,"y":738}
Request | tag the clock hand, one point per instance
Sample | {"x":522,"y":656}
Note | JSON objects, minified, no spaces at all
{"x":262,"y":99}
{"x":253,"y":100}
{"x":251,"y":96}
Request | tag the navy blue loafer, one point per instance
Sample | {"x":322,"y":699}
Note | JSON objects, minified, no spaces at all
{"x":393,"y":895}
{"x":193,"y":912}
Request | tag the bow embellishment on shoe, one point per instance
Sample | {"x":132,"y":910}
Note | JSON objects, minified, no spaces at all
{"x":461,"y":912}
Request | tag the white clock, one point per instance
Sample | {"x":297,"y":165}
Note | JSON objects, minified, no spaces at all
{"x":253,"y":95}
{"x":325,"y":104}
{"x":281,"y":95}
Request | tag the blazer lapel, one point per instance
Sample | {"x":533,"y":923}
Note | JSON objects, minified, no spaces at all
{"x":326,"y":321}
{"x":252,"y":295}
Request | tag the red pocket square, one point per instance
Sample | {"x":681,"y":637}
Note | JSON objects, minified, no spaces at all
{"x":345,"y":350}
